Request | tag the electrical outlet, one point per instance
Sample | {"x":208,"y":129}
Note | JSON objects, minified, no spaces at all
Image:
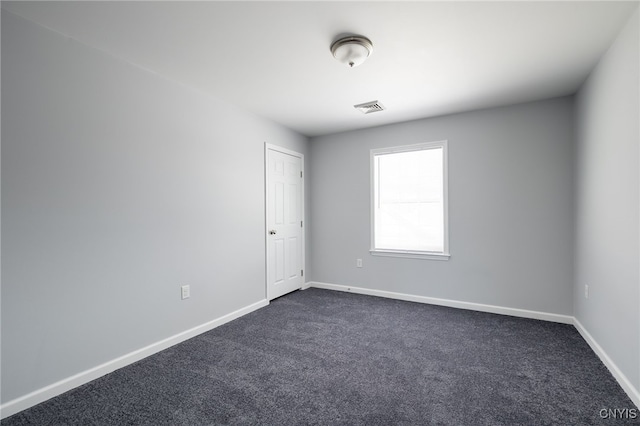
{"x":186,"y":292}
{"x":359,"y":263}
{"x":586,"y":291}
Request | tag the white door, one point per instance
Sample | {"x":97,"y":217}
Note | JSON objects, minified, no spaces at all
{"x":285,"y":207}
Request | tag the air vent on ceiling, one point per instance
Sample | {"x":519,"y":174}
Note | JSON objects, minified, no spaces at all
{"x":369,"y":107}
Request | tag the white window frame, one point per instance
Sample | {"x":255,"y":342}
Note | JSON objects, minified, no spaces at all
{"x":431,"y":255}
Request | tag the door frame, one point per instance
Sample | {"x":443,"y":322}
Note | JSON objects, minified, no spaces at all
{"x":270,"y":147}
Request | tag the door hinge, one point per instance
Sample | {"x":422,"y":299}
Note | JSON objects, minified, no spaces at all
{"x":301,"y":273}
{"x":300,"y":224}
{"x":300,"y":173}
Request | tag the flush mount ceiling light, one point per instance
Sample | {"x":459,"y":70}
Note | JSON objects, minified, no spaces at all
{"x":352,"y":50}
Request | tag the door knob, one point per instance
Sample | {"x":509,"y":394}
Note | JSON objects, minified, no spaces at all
{"x":272,"y":232}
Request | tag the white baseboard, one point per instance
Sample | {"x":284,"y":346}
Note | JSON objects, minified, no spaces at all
{"x":564,"y":319}
{"x":43,"y":394}
{"x":14,"y":406}
{"x":632,"y":392}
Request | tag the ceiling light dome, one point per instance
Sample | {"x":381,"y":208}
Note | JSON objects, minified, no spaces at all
{"x":352,"y":50}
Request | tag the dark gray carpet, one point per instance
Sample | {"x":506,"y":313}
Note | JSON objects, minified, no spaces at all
{"x":324,"y":357}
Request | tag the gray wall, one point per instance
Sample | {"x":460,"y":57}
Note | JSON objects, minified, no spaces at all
{"x":510,"y":208}
{"x":607,"y":203}
{"x":118,"y":186}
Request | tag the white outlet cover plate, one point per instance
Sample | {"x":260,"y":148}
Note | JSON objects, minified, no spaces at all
{"x":186,"y":292}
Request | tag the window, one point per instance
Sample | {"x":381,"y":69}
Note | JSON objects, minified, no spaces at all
{"x":409,"y":201}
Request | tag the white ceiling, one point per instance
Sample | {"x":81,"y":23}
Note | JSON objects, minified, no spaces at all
{"x":273,"y":58}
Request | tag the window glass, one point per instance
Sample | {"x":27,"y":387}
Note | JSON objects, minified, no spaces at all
{"x":409,"y":199}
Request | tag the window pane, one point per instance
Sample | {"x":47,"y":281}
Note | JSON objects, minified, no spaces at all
{"x":409,"y":205}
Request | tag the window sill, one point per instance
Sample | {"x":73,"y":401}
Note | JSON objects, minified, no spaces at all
{"x":411,"y":254}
